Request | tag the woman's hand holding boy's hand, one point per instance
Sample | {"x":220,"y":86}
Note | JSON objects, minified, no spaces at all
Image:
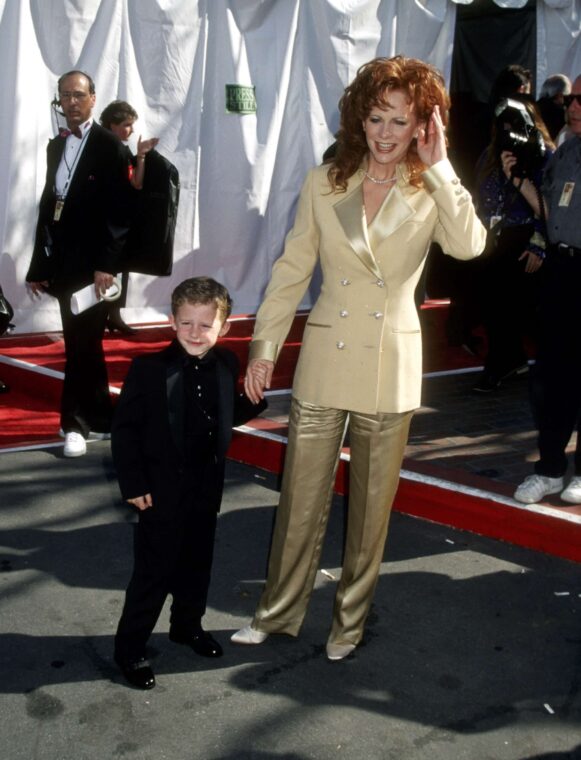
{"x":142,"y":502}
{"x":258,"y":377}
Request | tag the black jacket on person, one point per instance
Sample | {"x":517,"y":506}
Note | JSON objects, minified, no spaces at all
{"x":91,"y":231}
{"x":148,"y":436}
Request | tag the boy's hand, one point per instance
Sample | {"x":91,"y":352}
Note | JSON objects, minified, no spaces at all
{"x":142,"y":502}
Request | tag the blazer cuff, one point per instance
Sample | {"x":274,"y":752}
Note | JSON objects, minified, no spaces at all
{"x":263,"y":349}
{"x":441,"y":173}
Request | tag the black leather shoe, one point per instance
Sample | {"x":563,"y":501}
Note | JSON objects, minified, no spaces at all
{"x":200,"y":641}
{"x":486,"y":383}
{"x":116,"y":324}
{"x":138,"y":673}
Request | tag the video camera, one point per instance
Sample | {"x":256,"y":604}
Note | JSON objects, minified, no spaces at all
{"x":517,"y":133}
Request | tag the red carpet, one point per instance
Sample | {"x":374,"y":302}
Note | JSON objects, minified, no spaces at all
{"x":29,"y":416}
{"x":29,"y":413}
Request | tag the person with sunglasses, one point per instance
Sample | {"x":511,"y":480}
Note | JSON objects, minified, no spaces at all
{"x":556,"y":388}
{"x":80,"y":233}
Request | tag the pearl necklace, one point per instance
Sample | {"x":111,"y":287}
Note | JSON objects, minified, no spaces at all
{"x":380,"y":181}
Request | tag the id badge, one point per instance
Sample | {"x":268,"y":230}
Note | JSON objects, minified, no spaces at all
{"x":567,"y":194}
{"x":58,"y":209}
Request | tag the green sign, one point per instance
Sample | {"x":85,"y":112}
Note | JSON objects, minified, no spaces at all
{"x":240,"y":99}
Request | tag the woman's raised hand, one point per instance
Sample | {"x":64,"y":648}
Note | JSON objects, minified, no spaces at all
{"x":144,"y":146}
{"x":432,"y":139}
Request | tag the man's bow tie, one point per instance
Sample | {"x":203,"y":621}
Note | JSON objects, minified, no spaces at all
{"x":66,"y":132}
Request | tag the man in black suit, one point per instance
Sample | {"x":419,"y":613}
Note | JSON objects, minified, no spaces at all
{"x":79,"y":236}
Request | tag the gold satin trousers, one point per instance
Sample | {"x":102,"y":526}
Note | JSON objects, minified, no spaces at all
{"x":315,"y":438}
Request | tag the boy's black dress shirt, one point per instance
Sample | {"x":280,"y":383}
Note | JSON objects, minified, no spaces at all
{"x":201,"y":406}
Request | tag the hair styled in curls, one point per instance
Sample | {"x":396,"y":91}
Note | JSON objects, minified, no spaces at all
{"x":422,"y":83}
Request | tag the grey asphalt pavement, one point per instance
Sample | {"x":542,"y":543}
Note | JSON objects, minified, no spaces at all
{"x":472,"y":650}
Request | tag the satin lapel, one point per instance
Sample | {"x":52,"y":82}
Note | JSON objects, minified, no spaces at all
{"x":394,"y":212}
{"x":55,"y":152}
{"x":349,"y":211}
{"x":225,"y":404}
{"x":175,"y":405}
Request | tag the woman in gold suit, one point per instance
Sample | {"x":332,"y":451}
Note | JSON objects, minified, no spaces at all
{"x":368,"y":217}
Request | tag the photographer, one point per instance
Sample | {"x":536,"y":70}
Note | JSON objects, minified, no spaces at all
{"x":557,"y":381}
{"x":508,"y":203}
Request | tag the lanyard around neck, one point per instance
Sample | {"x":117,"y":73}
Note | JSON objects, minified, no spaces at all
{"x":71,"y":168}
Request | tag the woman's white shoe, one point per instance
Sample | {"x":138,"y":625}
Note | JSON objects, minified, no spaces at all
{"x":339,"y":651}
{"x":248,"y":635}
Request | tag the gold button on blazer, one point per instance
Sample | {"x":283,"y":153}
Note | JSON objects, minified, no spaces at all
{"x":362,"y":348}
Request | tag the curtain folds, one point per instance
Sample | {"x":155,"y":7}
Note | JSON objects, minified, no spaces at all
{"x":240,"y":174}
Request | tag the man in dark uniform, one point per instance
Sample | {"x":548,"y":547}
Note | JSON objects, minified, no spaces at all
{"x":79,"y":236}
{"x":557,"y":391}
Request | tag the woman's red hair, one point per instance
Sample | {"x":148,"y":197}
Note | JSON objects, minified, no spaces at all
{"x":421,"y":82}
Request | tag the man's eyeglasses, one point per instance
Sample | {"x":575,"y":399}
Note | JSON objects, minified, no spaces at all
{"x":568,"y":99}
{"x":77,"y":95}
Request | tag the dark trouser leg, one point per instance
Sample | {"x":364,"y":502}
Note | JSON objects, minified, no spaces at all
{"x":191,"y":579}
{"x":557,"y":391}
{"x":173,"y":557}
{"x":504,"y":315}
{"x":558,"y":414}
{"x":85,"y":403}
{"x":155,"y":550}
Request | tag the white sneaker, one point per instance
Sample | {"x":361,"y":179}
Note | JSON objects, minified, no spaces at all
{"x":572,"y":493}
{"x":92,"y":436}
{"x":248,"y":635}
{"x":75,"y":445}
{"x":535,"y":487}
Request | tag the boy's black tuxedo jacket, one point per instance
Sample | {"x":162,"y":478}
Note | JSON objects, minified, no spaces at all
{"x":94,"y":221}
{"x":147,"y":435}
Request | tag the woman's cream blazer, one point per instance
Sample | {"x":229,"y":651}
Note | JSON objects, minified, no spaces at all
{"x":361,"y":347}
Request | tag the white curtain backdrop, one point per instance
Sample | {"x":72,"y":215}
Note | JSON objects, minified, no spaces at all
{"x":171,"y":59}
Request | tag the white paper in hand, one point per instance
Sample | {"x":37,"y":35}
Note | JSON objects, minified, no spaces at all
{"x":85,"y":298}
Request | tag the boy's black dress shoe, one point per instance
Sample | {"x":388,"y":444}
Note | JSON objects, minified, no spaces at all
{"x":137,"y":672}
{"x":486,"y":383}
{"x":200,"y":641}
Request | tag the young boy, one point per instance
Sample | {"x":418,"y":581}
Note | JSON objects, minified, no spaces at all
{"x":171,"y":429}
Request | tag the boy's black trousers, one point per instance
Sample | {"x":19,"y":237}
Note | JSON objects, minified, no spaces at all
{"x":170,"y":557}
